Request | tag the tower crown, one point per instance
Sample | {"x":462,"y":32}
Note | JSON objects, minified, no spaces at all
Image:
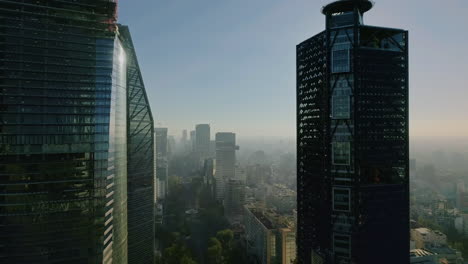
{"x":347,"y":6}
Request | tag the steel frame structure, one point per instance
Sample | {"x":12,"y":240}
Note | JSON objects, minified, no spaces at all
{"x":141,"y":167}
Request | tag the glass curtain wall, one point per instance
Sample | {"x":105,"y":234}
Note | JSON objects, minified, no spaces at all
{"x":62,"y":133}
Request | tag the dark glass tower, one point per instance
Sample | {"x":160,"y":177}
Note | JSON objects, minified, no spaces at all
{"x":140,"y":151}
{"x":63,"y":133}
{"x":352,"y":141}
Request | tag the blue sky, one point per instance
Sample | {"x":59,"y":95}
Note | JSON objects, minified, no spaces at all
{"x":231,"y":63}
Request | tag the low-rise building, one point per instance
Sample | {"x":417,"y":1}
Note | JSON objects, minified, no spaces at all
{"x":282,"y":198}
{"x":425,"y":237}
{"x":446,"y":254}
{"x":270,"y":238}
{"x":422,"y":256}
{"x":288,"y":245}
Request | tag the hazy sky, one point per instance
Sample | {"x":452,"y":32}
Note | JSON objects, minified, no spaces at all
{"x":231,"y":63}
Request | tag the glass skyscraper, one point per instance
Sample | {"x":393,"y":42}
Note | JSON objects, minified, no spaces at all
{"x":141,"y":164}
{"x":352,"y":141}
{"x":64,"y":125}
{"x":225,"y":161}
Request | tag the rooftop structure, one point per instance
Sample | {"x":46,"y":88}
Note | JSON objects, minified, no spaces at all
{"x":425,"y":237}
{"x":343,"y":6}
{"x":422,"y":256}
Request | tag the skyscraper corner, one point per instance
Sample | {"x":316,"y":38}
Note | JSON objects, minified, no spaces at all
{"x":140,"y":160}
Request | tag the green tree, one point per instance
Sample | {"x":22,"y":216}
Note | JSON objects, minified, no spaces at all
{"x":225,"y":237}
{"x":215,"y":251}
{"x":222,"y":249}
{"x":238,"y":253}
{"x":187,"y":260}
{"x":177,"y":253}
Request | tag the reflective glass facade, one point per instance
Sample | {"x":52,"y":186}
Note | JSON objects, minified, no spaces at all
{"x":352,"y":110}
{"x":117,"y":185}
{"x":141,"y":165}
{"x":63,"y":133}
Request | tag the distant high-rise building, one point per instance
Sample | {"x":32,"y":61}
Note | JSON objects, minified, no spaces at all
{"x":171,"y":146}
{"x":63,"y":152}
{"x":192,"y":140}
{"x":352,"y":141}
{"x":234,"y":198}
{"x":184,"y":141}
{"x":241,"y":174}
{"x":212,"y":152}
{"x":202,"y":141}
{"x":141,"y":162}
{"x":184,"y":135}
{"x":225,"y":161}
{"x":209,"y":171}
{"x":161,"y":162}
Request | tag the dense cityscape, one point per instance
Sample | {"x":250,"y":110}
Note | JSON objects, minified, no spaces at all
{"x":89,"y":174}
{"x":252,"y":212}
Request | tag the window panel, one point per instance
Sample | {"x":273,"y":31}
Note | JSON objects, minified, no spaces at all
{"x":341,"y":153}
{"x":340,"y":61}
{"x":341,"y":199}
{"x":341,"y":106}
{"x":342,"y":245}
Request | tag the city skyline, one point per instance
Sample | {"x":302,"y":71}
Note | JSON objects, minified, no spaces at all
{"x":247,"y":55}
{"x":234,"y":131}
